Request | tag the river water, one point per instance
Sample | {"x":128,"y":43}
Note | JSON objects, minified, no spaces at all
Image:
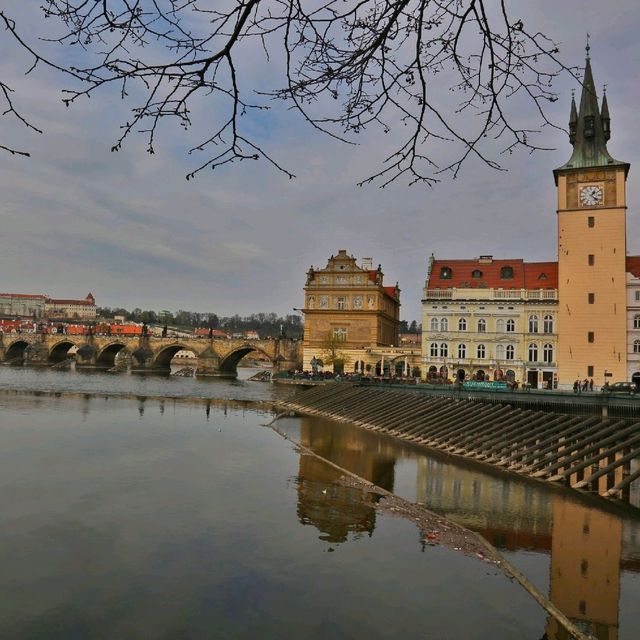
{"x":162,"y":508}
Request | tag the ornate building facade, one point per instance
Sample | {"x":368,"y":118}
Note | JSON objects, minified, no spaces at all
{"x":349,"y":306}
{"x":71,"y":309}
{"x":490,"y":319}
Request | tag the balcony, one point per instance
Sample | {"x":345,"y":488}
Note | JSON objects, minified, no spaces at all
{"x":490,"y":294}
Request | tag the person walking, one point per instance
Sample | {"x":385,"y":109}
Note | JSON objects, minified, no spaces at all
{"x":591,"y":384}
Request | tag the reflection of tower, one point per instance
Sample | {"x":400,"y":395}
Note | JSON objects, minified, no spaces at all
{"x":333,"y":509}
{"x":585,"y":569}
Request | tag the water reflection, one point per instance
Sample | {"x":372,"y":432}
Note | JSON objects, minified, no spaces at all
{"x":589,"y":547}
{"x":336,"y":510}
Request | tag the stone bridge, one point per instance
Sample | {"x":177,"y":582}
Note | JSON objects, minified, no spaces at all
{"x":147,"y":353}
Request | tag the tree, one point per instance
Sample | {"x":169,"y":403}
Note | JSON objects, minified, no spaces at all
{"x":418,"y":67}
{"x":332,"y":354}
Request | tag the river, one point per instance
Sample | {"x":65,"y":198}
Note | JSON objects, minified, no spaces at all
{"x":162,"y":508}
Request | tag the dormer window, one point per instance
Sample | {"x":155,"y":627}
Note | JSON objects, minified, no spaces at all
{"x":506,"y":273}
{"x":542,"y":276}
{"x":446,"y":273}
{"x":476,"y":273}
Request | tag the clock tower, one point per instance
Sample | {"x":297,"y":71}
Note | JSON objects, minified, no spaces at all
{"x":592,"y":330}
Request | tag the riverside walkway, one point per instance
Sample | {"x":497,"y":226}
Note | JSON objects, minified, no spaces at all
{"x":588,"y":452}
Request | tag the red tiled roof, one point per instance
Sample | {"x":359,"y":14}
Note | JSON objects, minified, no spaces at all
{"x":526,"y":275}
{"x":23,"y":295}
{"x":390,"y":291}
{"x":54,"y":301}
{"x":633,"y":265}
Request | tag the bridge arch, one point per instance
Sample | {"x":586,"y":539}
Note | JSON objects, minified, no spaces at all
{"x":164,"y":356}
{"x":58,"y":352}
{"x":229,"y":364}
{"x":106,"y":357}
{"x":16,"y":350}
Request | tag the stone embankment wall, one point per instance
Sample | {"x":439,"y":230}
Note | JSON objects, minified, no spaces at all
{"x":584,"y":452}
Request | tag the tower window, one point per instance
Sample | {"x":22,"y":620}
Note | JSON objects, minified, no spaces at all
{"x":591,"y":336}
{"x":591,"y":260}
{"x":592,"y":298}
{"x":591,"y":222}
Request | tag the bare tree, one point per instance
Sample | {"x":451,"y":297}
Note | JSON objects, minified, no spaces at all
{"x":413,"y":68}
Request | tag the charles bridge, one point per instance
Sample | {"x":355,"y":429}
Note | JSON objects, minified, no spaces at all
{"x":147,"y":353}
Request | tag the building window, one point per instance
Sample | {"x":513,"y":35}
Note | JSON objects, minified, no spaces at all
{"x":636,"y":321}
{"x":476,"y":273}
{"x":481,"y":351}
{"x":499,"y":352}
{"x":547,"y":324}
{"x":340,"y":334}
{"x":462,"y":324}
{"x":590,"y":370}
{"x":499,"y":325}
{"x":511,"y":326}
{"x":506,"y":273}
{"x":511,"y":352}
{"x":444,"y":324}
{"x":591,"y":298}
{"x":591,"y":222}
{"x":342,"y":303}
{"x":591,"y":260}
{"x":636,"y":346}
{"x":434,"y":324}
{"x":533,"y":352}
{"x":637,"y":296}
{"x":433,"y":350}
{"x":547,"y":352}
{"x":482,"y":326}
{"x":591,"y":337}
{"x":462,"y":351}
{"x":446,"y":273}
{"x":533,"y":324}
{"x":444,"y":350}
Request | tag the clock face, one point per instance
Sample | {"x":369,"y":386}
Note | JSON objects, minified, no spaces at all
{"x":590,"y":195}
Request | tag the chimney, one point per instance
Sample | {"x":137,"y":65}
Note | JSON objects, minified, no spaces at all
{"x":367,"y":264}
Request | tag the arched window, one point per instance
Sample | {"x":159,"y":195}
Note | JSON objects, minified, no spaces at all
{"x":482,"y":325}
{"x":446,"y":273}
{"x":636,"y":346}
{"x":462,"y":324}
{"x":548,"y":324}
{"x":481,"y":351}
{"x":499,"y":325}
{"x":636,"y":322}
{"x":433,"y":350}
{"x":506,"y":273}
{"x":511,"y":352}
{"x":444,"y":350}
{"x":511,"y":326}
{"x":444,"y":324}
{"x":533,"y":352}
{"x":462,"y":351}
{"x":476,"y":273}
{"x":547,"y":353}
{"x":434,"y":324}
{"x":499,"y":352}
{"x":533,"y":324}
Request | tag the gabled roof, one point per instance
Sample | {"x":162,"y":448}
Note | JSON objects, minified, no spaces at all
{"x":490,"y":274}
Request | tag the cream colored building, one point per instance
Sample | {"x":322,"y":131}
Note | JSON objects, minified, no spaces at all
{"x":490,"y":319}
{"x":71,"y":309}
{"x":348,"y":304}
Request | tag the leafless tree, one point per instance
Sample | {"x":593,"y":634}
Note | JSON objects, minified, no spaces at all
{"x":347,"y":66}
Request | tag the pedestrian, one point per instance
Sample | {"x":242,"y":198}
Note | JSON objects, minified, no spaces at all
{"x":585,"y":384}
{"x":591,"y":384}
{"x":576,"y":386}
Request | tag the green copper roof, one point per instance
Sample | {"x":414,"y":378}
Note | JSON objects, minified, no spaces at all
{"x":589,"y":130}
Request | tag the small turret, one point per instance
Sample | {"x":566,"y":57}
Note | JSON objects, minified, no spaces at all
{"x":604,"y":116}
{"x":573,"y":119}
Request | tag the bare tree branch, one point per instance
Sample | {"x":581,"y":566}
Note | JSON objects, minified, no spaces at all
{"x":435,"y":70}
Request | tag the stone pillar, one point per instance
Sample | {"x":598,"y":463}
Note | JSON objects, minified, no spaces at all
{"x":86,"y":356}
{"x":208,"y":362}
{"x":142,"y":357}
{"x":37,"y":353}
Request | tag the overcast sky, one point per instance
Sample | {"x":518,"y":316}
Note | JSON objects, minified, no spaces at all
{"x":128,"y":226}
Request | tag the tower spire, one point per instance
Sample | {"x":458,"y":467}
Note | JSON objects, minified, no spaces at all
{"x":589,"y":125}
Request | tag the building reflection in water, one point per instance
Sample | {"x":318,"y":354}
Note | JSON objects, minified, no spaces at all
{"x":588,"y":546}
{"x":337,"y":510}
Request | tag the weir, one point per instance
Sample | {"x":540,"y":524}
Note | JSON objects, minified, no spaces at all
{"x":586,"y":452}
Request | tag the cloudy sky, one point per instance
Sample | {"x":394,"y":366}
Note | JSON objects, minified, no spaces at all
{"x":127,"y":226}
